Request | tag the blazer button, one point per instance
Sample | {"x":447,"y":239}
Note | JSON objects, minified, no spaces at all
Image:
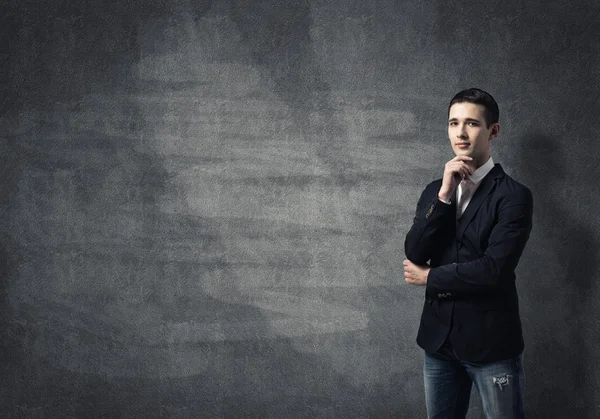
{"x":440,"y":295}
{"x":448,"y":295}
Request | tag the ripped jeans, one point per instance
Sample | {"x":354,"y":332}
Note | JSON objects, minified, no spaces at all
{"x":448,"y":387}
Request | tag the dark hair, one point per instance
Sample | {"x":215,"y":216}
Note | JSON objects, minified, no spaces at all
{"x":478,"y":97}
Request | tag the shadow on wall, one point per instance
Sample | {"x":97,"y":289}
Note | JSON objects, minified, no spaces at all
{"x":559,"y":365}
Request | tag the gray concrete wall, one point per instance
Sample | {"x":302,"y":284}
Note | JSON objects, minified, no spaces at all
{"x":203,"y":204}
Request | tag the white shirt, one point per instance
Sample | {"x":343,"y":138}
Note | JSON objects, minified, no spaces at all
{"x":476,"y":178}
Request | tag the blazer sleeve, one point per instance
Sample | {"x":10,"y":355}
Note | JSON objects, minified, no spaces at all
{"x":432,"y":225}
{"x":497,"y":265}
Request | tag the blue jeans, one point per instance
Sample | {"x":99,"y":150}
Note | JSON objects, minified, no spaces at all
{"x":448,"y":387}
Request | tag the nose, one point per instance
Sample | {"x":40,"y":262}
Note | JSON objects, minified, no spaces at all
{"x":462,"y":133}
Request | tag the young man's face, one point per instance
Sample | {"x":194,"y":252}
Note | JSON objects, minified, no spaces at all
{"x":468,"y":131}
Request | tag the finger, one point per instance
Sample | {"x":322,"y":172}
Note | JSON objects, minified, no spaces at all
{"x":457,"y":171}
{"x":453,"y":168}
{"x":458,"y":167}
{"x":465,"y":165}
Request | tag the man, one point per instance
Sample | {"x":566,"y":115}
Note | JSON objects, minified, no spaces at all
{"x":472,"y":226}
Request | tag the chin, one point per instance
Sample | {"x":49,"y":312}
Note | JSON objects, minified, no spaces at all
{"x":460,"y":152}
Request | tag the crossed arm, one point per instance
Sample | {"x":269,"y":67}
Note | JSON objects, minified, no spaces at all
{"x":505,"y":246}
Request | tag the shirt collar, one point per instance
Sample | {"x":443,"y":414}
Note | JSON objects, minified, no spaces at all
{"x":482,"y":171}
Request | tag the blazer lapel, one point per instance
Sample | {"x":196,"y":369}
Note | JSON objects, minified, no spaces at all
{"x":485,"y":188}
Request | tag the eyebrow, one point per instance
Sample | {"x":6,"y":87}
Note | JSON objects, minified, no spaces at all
{"x":467,"y":120}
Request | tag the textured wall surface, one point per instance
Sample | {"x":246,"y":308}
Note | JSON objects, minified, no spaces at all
{"x":203,"y":203}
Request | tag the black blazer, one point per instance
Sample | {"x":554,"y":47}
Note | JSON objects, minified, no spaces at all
{"x":471,"y":285}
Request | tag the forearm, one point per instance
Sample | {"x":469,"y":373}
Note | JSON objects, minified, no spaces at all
{"x":431,"y":228}
{"x":481,"y":275}
{"x":497,"y":265}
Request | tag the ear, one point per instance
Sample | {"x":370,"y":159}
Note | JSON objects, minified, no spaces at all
{"x":495,"y":130}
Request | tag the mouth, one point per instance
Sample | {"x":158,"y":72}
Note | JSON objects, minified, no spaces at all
{"x":463,"y":145}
